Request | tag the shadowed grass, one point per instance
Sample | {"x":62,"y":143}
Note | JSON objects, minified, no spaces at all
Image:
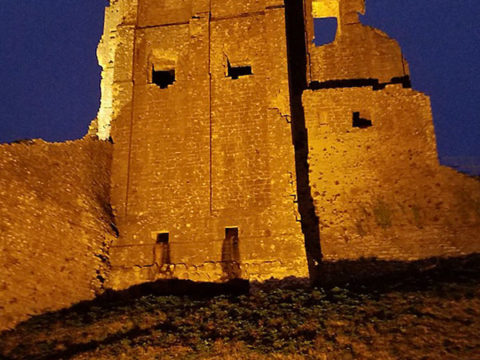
{"x":435,"y":315}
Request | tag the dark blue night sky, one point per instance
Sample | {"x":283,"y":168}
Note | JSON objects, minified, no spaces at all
{"x":50,"y":77}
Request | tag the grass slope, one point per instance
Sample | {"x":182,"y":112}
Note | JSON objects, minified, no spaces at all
{"x":435,"y":315}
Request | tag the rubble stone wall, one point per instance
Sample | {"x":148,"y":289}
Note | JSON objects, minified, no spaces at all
{"x":54,"y":225}
{"x":358,"y":52}
{"x":379,"y":190}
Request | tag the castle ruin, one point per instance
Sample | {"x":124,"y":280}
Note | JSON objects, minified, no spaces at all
{"x":240,"y":150}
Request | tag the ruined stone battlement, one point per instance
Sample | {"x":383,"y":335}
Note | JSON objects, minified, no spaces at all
{"x":359,"y":52}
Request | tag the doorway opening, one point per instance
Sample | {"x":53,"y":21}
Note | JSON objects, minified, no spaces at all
{"x":161,"y":250}
{"x":231,"y":254}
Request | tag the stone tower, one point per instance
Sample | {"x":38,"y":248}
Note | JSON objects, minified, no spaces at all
{"x":203,"y":180}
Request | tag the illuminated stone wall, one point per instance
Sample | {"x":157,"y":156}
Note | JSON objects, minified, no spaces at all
{"x":377,"y":185}
{"x":115,"y":57}
{"x":203,"y":152}
{"x":54,"y":225}
{"x":358,"y":52}
{"x":208,"y":151}
{"x":202,"y":185}
{"x":379,"y":191}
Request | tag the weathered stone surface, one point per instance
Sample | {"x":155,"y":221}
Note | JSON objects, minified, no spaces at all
{"x":377,"y":186}
{"x":54,"y":225}
{"x":379,"y":191}
{"x":358,"y":52}
{"x":208,"y":152}
{"x":211,"y":177}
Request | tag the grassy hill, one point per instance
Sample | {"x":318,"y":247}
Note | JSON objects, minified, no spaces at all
{"x":430,"y":314}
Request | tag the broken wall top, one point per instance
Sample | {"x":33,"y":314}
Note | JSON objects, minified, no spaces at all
{"x":346,"y":11}
{"x":358,"y":51}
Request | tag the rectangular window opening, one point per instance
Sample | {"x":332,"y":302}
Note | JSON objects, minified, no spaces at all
{"x":163,"y":238}
{"x":236,"y":71}
{"x":359,"y":122}
{"x":163,"y":78}
{"x":325,"y":30}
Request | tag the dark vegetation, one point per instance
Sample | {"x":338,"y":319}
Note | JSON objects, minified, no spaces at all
{"x":431,"y":314}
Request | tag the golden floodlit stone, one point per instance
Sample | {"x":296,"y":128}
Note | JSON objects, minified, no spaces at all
{"x":240,"y":150}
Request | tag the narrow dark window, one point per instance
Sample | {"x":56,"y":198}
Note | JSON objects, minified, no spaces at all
{"x":359,"y":122}
{"x":162,"y":238}
{"x":161,"y":251}
{"x":236,"y":71}
{"x":163,"y":78}
{"x":325,"y":30}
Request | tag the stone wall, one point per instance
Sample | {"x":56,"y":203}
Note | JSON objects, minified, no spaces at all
{"x":377,"y":185}
{"x":358,"y":52}
{"x":208,"y":152}
{"x":379,"y":190}
{"x":54,"y":225}
{"x":113,"y":57}
{"x":196,"y":99}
